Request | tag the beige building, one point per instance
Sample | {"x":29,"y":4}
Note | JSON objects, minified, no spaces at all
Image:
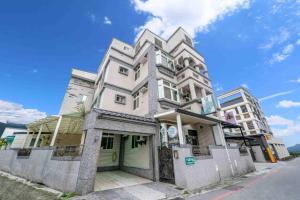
{"x":149,"y":111}
{"x":247,"y":113}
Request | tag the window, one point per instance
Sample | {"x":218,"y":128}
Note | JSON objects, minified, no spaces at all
{"x":126,"y":48}
{"x":158,"y":42}
{"x":134,"y":141}
{"x":242,"y":125}
{"x":167,"y":90}
{"x":164,"y":60}
{"x":250,"y":125}
{"x":237,"y":117}
{"x":244,"y":109}
{"x":120,"y":99}
{"x":107,"y":141}
{"x":246,"y":116}
{"x":123,"y":70}
{"x":137,"y":72}
{"x":136,"y":100}
{"x":236,"y":110}
{"x":188,"y":40}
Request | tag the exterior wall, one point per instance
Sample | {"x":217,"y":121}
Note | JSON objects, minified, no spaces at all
{"x":10,"y":131}
{"x":81,"y":84}
{"x":136,"y":157}
{"x":40,"y":167}
{"x":18,"y":141}
{"x":279,"y":147}
{"x":105,"y":158}
{"x":209,"y":170}
{"x":259,"y":156}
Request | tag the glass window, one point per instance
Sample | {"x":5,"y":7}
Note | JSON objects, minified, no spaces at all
{"x":107,"y":141}
{"x":120,"y":99}
{"x":136,"y":100}
{"x":244,"y":109}
{"x":236,"y":110}
{"x":134,"y":141}
{"x":167,"y":90}
{"x":158,"y":42}
{"x":123,"y":70}
{"x":250,"y":125}
{"x":137,"y":72}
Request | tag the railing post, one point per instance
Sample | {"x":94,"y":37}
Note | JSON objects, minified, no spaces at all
{"x":38,"y":136}
{"x":56,"y":131}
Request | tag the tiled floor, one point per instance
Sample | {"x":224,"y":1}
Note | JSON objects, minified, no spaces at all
{"x":117,"y":179}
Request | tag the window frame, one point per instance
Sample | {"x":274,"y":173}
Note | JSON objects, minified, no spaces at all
{"x":172,"y":87}
{"x":122,"y":97}
{"x":134,"y":143}
{"x":136,"y":100}
{"x":123,"y":68}
{"x":137,"y":72}
{"x":109,"y":144}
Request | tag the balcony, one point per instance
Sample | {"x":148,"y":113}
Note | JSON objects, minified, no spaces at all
{"x":163,"y":60}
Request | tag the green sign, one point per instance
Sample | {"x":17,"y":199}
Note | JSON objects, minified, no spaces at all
{"x":10,"y":139}
{"x":189,"y":160}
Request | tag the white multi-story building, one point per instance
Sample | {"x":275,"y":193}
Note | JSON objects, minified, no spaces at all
{"x":148,"y":111}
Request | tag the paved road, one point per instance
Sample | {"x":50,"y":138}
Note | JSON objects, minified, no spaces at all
{"x":281,"y":183}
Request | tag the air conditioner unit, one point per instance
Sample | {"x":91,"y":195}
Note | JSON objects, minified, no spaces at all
{"x":143,"y":89}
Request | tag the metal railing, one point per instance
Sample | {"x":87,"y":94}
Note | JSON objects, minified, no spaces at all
{"x":68,"y":150}
{"x":24,"y":152}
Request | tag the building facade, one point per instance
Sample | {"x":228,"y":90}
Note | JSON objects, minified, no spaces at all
{"x":247,"y":113}
{"x":148,"y":111}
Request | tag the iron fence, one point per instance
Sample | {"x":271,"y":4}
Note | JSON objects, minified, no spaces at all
{"x":69,"y":150}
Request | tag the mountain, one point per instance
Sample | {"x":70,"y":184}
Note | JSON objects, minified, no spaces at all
{"x":295,"y":148}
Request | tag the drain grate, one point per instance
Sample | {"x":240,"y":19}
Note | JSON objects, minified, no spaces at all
{"x":233,"y":187}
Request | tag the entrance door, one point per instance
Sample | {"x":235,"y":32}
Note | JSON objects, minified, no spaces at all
{"x":166,"y":167}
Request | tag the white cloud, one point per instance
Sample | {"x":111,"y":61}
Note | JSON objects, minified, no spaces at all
{"x":275,"y":95}
{"x":295,"y":81}
{"x":245,"y":85}
{"x":298,"y":42}
{"x":283,"y":127}
{"x":218,"y":87}
{"x":14,"y":112}
{"x":277,"y":39}
{"x":107,"y":21}
{"x":281,"y":56}
{"x":92,"y":16}
{"x":288,"y":104}
{"x":193,"y":15}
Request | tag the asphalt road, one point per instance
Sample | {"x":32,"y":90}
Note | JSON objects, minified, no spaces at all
{"x":281,"y":183}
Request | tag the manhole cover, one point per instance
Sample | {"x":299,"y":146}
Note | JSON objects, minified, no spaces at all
{"x":233,"y":187}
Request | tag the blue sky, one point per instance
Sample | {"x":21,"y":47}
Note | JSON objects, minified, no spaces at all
{"x":244,"y":42}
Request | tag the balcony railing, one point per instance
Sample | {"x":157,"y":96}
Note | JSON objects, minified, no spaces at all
{"x":70,"y":150}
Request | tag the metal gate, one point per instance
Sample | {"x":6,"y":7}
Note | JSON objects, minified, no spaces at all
{"x":166,"y":167}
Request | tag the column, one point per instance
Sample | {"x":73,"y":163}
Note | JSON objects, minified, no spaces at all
{"x":203,"y":93}
{"x":88,"y":163}
{"x":179,"y":129}
{"x":56,"y":131}
{"x":38,"y":136}
{"x":192,"y":89}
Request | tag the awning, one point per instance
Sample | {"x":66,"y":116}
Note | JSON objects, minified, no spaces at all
{"x":187,"y":117}
{"x":72,"y":123}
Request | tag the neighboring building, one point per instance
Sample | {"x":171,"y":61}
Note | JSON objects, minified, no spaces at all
{"x":149,"y":111}
{"x":246,"y":111}
{"x":9,"y":134}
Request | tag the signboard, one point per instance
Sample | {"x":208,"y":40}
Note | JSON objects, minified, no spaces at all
{"x":189,"y":160}
{"x":230,"y":117}
{"x":172,"y":132}
{"x":10,"y":139}
{"x":209,"y":104}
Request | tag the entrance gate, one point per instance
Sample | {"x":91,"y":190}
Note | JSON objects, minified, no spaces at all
{"x":166,"y":167}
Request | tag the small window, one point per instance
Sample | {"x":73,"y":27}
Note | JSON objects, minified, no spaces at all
{"x":137,"y":72}
{"x":136,"y":100}
{"x":158,"y":42}
{"x":123,"y":70}
{"x":134,"y":141}
{"x":250,"y":125}
{"x":126,"y":48}
{"x":120,"y":99}
{"x":236,"y":110}
{"x":107,"y":141}
{"x":244,"y":109}
{"x":188,"y":40}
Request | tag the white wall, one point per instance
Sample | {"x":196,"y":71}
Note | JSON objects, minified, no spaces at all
{"x":105,"y":157}
{"x":10,"y":131}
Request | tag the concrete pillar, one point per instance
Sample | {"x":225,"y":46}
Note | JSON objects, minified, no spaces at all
{"x":88,"y":164}
{"x":192,"y":89}
{"x":179,"y":129}
{"x":38,"y":136}
{"x":56,"y":131}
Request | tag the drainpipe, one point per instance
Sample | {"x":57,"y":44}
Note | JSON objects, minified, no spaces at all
{"x":226,"y":149}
